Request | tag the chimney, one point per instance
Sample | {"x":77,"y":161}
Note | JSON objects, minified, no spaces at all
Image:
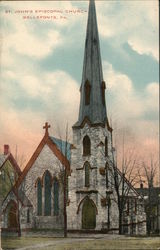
{"x":6,"y":149}
{"x":141,"y":185}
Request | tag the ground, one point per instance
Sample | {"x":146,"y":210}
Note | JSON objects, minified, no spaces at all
{"x":101,"y":242}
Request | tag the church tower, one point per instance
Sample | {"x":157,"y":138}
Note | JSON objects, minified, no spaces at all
{"x":92,"y":105}
{"x":91,"y":153}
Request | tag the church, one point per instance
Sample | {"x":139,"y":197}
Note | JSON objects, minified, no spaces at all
{"x":75,"y":180}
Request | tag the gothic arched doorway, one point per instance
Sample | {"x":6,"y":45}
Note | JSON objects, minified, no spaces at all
{"x":12,"y":216}
{"x":88,"y":214}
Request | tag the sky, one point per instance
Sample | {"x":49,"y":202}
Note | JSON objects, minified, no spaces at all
{"x":41,"y":69}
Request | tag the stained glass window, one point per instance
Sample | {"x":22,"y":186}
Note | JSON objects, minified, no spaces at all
{"x":56,"y":197}
{"x":39,"y":198}
{"x":47,"y":202}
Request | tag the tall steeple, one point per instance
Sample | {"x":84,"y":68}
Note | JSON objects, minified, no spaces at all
{"x":92,"y":103}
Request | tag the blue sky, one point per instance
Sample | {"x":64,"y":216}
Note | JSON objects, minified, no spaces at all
{"x":42,"y":67}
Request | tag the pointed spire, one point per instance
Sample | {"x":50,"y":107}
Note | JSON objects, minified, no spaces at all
{"x":92,"y":104}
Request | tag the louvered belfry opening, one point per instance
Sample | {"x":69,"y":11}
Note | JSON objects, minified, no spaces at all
{"x":86,"y":146}
{"x":87,"y":92}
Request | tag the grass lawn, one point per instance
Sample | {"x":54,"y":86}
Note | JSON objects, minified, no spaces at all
{"x":115,"y":244}
{"x":71,"y":244}
{"x":16,"y":242}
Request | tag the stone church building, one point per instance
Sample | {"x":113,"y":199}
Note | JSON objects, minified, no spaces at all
{"x":37,"y":199}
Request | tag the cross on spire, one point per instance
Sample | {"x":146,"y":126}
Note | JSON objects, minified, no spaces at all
{"x":46,"y":127}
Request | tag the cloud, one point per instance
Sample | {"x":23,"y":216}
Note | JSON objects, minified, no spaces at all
{"x":131,"y":114}
{"x":59,"y":95}
{"x":152,"y":102}
{"x":26,"y":43}
{"x":125,"y":104}
{"x":34,"y":37}
{"x":135,"y":22}
{"x":22,"y":129}
{"x":122,"y":99}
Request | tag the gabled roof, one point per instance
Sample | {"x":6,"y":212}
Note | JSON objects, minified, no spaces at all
{"x":9,"y":157}
{"x":63,"y":146}
{"x":154,"y":193}
{"x":2,"y":159}
{"x":128,"y":183}
{"x":54,"y":145}
{"x":20,"y":196}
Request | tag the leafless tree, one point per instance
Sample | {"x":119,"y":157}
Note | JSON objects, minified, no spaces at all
{"x":20,"y":158}
{"x":65,"y":148}
{"x":148,"y":174}
{"x":123,"y":179}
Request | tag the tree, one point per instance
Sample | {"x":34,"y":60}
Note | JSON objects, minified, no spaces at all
{"x":15,"y":191}
{"x":20,"y":158}
{"x":12,"y":184}
{"x":65,"y":149}
{"x":148,"y":175}
{"x":123,"y":178}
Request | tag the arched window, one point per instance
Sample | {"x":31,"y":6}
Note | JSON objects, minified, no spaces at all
{"x":56,"y":197}
{"x":87,"y":92}
{"x":86,"y":146}
{"x":106,"y":146}
{"x":39,"y":198}
{"x":47,"y":202}
{"x":103,"y":87}
{"x":107,"y":181}
{"x":28,"y":215}
{"x":12,"y":215}
{"x":87,"y":174}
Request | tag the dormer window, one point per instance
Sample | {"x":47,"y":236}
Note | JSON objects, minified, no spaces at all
{"x":87,"y":92}
{"x":103,"y":87}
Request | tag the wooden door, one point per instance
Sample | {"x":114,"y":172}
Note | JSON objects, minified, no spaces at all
{"x":12,"y":216}
{"x":88,"y":215}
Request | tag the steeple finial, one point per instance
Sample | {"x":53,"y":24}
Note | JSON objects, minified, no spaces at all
{"x":92,"y":103}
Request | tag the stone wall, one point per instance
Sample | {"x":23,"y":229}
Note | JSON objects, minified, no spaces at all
{"x":97,"y":189}
{"x":45,"y":161}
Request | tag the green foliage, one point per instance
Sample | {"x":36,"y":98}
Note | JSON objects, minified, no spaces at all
{"x":7,"y":179}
